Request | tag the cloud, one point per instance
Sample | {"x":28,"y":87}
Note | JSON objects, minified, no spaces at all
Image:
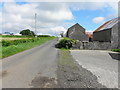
{"x":51,"y":31}
{"x":99,"y":19}
{"x":96,"y":5}
{"x":58,"y":29}
{"x":63,"y":0}
{"x":50,"y":16}
{"x":18,"y":17}
{"x":88,"y":5}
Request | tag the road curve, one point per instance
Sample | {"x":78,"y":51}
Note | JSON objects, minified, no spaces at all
{"x":19,"y":70}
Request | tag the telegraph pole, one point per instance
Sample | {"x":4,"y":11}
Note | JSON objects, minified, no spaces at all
{"x":35,"y":23}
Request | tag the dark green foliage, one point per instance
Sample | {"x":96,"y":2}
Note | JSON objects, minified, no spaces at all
{"x":32,"y":33}
{"x":27,"y":32}
{"x":43,"y":36}
{"x":6,"y":43}
{"x":66,"y":43}
{"x":116,"y":50}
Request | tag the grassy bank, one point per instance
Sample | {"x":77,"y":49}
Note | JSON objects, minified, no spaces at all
{"x":13,"y":49}
{"x":65,"y":59}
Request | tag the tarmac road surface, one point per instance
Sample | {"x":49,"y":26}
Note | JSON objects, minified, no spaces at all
{"x":103,"y":64}
{"x":31,"y":68}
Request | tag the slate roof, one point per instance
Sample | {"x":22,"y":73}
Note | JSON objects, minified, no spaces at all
{"x":75,"y":25}
{"x":108,"y":25}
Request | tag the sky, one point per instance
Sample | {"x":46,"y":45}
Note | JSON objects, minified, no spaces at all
{"x":55,"y":17}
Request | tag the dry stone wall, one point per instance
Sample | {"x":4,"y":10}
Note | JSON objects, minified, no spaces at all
{"x":93,"y":45}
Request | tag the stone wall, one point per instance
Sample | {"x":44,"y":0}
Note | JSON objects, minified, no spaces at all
{"x":114,"y":38}
{"x":93,"y":45}
{"x":119,"y":34}
{"x":119,"y":25}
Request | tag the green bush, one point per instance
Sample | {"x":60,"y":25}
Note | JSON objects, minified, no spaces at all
{"x":116,"y":50}
{"x":43,"y":36}
{"x":66,"y":43}
{"x":6,"y":43}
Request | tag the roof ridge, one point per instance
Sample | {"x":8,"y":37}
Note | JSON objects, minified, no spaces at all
{"x":108,"y":24}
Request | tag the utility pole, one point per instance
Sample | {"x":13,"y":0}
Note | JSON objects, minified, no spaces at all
{"x":35,"y":23}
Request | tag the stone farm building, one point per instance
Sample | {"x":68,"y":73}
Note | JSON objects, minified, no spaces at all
{"x":77,"y":32}
{"x":109,"y":32}
{"x":90,"y":36}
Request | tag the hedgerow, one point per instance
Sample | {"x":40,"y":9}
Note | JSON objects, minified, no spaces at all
{"x":16,"y":42}
{"x":66,"y":43}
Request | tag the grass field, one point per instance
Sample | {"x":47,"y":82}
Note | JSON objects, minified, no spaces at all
{"x":13,"y":49}
{"x":13,"y":36}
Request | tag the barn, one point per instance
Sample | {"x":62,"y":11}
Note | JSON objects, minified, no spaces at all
{"x":77,"y":32}
{"x":109,"y":32}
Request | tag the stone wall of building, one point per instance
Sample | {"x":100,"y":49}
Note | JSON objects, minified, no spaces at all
{"x":103,"y":35}
{"x":77,"y":32}
{"x":119,"y":25}
{"x":119,"y":34}
{"x":93,"y":45}
{"x":114,"y":38}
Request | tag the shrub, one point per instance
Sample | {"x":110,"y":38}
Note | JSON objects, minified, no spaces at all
{"x":43,"y":36}
{"x":66,"y":43}
{"x":6,"y":43}
{"x":116,"y":50}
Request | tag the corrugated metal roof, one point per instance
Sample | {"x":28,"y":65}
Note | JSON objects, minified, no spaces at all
{"x":108,"y":24}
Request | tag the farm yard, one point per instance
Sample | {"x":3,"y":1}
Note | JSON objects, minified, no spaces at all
{"x":14,"y":44}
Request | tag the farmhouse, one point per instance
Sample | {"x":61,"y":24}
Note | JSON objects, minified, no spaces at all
{"x":77,"y":32}
{"x":90,"y":36}
{"x":109,"y":32}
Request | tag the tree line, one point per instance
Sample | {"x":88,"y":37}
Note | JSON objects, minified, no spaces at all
{"x":27,"y":32}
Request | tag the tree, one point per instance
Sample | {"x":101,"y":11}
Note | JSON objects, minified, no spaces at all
{"x":32,"y":33}
{"x":27,"y":32}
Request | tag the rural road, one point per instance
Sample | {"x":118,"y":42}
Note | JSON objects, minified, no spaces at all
{"x":101,"y":64}
{"x":34,"y":68}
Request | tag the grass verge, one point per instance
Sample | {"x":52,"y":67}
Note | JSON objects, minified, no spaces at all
{"x":65,"y":59}
{"x":13,"y":49}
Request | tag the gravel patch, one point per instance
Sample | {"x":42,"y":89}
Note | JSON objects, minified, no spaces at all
{"x":70,"y":77}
